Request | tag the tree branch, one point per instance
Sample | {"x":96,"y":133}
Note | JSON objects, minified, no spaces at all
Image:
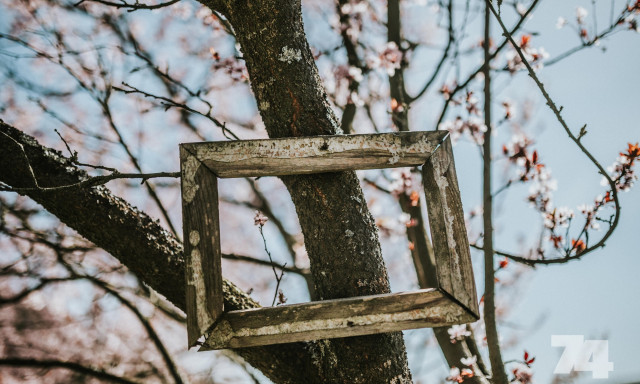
{"x":139,"y":242}
{"x":76,"y":367}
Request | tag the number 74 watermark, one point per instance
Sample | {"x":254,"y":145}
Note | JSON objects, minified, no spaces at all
{"x":583,"y":355}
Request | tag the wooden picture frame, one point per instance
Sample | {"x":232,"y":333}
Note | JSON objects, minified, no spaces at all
{"x":452,"y":301}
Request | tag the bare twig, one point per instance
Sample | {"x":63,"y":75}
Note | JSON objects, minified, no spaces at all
{"x":611,"y":29}
{"x":249,"y":259}
{"x":92,"y":182}
{"x":273,"y":267}
{"x":104,"y":103}
{"x":129,"y":6}
{"x":443,"y":59}
{"x":169,"y":103}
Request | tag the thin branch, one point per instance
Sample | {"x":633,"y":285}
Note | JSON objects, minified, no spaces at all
{"x":87,"y":183}
{"x":586,"y":44}
{"x":443,"y":59}
{"x":129,"y":6}
{"x":23,"y":294}
{"x":278,"y":278}
{"x":104,"y":103}
{"x":72,"y":366}
{"x":265,"y":207}
{"x":272,"y":264}
{"x":520,"y":259}
{"x":169,"y":103}
{"x":24,"y":153}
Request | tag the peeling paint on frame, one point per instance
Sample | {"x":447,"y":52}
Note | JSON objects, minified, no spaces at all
{"x":189,"y":184}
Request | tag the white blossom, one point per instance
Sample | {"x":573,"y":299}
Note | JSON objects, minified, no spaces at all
{"x":458,"y":332}
{"x":561,"y":22}
{"x":469,"y":361}
{"x":581,"y":14}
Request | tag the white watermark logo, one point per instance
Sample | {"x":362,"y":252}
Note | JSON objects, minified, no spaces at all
{"x":583,"y":355}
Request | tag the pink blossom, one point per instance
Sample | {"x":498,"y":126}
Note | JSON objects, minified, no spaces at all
{"x":535,"y":56}
{"x":390,"y":58}
{"x":559,"y":217}
{"x":458,"y":376}
{"x":474,"y":127}
{"x":523,"y":374}
{"x":260,"y":219}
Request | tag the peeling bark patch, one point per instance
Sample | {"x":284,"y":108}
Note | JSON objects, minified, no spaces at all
{"x":289,"y":55}
{"x":189,"y":185}
{"x":264,"y":105}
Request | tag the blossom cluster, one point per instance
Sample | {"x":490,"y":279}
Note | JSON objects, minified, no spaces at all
{"x":260,"y":219}
{"x":458,"y":332}
{"x":519,"y":152}
{"x":389,"y":59}
{"x":473,"y":125}
{"x":402,"y":181}
{"x":342,"y":85}
{"x":531,"y":169}
{"x":535,"y":56}
{"x":621,"y":172}
{"x":457,"y":375}
{"x":350,"y":18}
{"x":522,"y":373}
{"x":626,"y":18}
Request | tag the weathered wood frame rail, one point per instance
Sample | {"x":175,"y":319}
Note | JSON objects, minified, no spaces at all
{"x":452,"y":301}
